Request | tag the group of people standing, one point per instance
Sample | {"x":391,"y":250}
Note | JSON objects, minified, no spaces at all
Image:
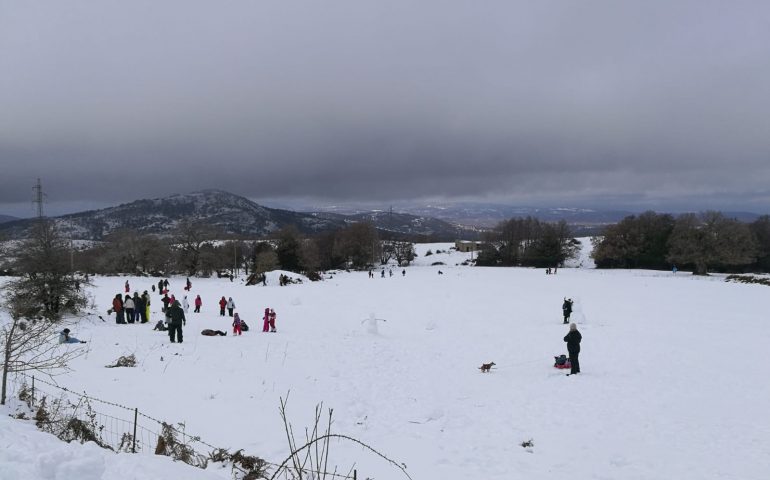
{"x":136,"y":309}
{"x":130,"y":309}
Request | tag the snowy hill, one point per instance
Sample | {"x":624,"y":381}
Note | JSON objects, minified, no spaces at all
{"x":225,"y":212}
{"x":651,"y":402}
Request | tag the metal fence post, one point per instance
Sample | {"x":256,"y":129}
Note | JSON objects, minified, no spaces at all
{"x":355,"y":475}
{"x":133,"y":446}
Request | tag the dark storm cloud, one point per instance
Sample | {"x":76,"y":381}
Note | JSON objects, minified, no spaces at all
{"x":580,"y":102}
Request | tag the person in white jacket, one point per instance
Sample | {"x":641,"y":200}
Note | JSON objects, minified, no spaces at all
{"x":230,"y":306}
{"x":185,"y":304}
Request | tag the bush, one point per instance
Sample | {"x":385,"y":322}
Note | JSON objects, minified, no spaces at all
{"x":170,"y":446}
{"x":429,"y":253}
{"x":748,"y":279}
{"x":437,"y":263}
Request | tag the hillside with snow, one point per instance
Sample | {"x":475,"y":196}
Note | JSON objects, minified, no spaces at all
{"x":672,"y":383}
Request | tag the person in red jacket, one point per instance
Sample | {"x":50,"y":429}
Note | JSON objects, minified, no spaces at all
{"x":266,"y":318}
{"x":127,"y":287}
{"x":222,"y":305}
{"x":198,"y":303}
{"x":117,"y":307}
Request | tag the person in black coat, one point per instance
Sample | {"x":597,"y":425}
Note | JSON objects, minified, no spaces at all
{"x":138,"y":307}
{"x":566,"y":308}
{"x":176,"y":316}
{"x":573,"y":347}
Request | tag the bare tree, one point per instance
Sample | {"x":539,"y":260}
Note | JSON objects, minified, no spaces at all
{"x":309,"y":258}
{"x":190,"y":237}
{"x":32,"y":345}
{"x":386,"y":252}
{"x":266,"y":261}
{"x":36,"y":300}
{"x":46,"y":286}
{"x":403,"y":252}
{"x":358,"y":244}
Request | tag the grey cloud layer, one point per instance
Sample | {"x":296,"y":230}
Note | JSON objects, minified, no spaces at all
{"x":112,"y":100}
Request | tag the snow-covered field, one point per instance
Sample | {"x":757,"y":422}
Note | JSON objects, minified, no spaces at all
{"x":673,"y":383}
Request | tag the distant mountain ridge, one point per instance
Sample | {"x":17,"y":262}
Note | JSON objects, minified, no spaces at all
{"x":7,"y":218}
{"x":487,"y":215}
{"x":228,"y":213}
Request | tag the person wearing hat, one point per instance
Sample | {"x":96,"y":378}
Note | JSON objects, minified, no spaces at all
{"x":64,"y":337}
{"x":573,"y":339}
{"x":176,"y":320}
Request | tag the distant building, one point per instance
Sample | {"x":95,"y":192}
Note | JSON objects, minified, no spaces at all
{"x":468,"y":245}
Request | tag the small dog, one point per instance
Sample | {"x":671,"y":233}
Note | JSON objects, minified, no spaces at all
{"x":485,"y":367}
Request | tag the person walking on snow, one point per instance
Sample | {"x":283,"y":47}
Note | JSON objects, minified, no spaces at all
{"x":128,"y":288}
{"x":266,"y":318}
{"x":272,"y":320}
{"x":198,"y":303}
{"x":185,"y":304}
{"x":222,"y":305}
{"x":237,"y":325}
{"x":176,"y":320}
{"x":160,"y":287}
{"x":566,"y":309}
{"x":230,"y":306}
{"x":188,"y":285}
{"x":573,"y":339}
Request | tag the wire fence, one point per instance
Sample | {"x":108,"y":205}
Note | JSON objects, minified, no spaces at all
{"x":71,"y":416}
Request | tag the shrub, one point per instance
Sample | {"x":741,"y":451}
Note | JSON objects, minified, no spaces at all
{"x":748,"y":279}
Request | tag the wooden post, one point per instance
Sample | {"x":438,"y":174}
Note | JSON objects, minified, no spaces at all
{"x":355,"y":475}
{"x":133,"y":446}
{"x":33,"y":390}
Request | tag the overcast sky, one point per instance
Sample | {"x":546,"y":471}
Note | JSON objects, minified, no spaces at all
{"x":661,"y":104}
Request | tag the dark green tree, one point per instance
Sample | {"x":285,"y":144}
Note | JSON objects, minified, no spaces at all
{"x":711,"y":240}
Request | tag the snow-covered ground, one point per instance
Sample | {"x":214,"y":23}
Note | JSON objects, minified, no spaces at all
{"x":674,"y":381}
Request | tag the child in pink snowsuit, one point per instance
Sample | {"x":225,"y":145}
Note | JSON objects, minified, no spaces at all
{"x":236,"y":325}
{"x":272,"y":320}
{"x":266,"y":318}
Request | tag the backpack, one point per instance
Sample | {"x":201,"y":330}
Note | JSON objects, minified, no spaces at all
{"x":244,"y":327}
{"x":561,"y":361}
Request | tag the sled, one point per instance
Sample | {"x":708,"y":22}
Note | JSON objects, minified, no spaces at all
{"x":561,"y":361}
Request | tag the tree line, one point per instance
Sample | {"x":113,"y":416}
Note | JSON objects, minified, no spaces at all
{"x":703,"y":242}
{"x":195,"y":249}
{"x":528,"y":242}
